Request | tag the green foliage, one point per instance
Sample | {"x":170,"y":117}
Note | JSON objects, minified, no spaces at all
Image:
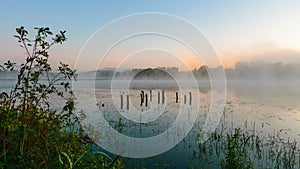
{"x":32,"y":133}
{"x":236,"y":155}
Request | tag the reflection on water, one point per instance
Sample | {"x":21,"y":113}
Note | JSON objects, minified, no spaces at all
{"x":269,"y":107}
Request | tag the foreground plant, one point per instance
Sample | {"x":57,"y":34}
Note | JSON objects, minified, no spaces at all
{"x":237,"y":148}
{"x":33,"y":134}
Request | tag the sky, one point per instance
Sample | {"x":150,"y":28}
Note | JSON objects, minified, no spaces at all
{"x":256,"y":30}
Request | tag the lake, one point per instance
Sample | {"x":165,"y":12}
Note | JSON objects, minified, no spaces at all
{"x":271,"y":107}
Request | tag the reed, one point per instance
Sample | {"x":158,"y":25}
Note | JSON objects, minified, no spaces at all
{"x":243,"y":148}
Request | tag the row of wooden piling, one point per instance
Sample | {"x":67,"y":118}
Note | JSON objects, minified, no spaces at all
{"x":184,"y":98}
{"x":127,"y":102}
{"x":160,"y":97}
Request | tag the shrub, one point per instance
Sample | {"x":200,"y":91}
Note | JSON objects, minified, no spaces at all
{"x":34,"y":134}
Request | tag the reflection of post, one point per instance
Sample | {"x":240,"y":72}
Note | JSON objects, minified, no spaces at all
{"x":140,"y":123}
{"x":127,"y":99}
{"x":150,"y":95}
{"x":190,"y":97}
{"x":163,"y":96}
{"x":184,"y":99}
{"x":121,"y":101}
{"x":176,"y":97}
{"x":158,"y":98}
{"x":146,"y":101}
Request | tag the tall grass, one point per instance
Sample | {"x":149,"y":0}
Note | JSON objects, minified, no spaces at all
{"x":237,"y":148}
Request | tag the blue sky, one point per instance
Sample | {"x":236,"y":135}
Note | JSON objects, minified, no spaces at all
{"x":236,"y":28}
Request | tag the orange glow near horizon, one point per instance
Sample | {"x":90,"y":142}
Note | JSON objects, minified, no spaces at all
{"x":265,"y":52}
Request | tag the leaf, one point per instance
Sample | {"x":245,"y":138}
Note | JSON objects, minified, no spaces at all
{"x":3,"y":95}
{"x":16,"y":36}
{"x":2,"y":165}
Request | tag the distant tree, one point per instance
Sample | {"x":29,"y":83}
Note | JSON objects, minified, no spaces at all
{"x":201,"y":72}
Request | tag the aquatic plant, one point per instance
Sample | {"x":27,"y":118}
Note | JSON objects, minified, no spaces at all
{"x":243,"y":148}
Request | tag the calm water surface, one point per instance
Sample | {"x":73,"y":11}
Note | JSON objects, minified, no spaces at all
{"x":268,"y":107}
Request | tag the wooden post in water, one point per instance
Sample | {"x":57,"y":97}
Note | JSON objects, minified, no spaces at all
{"x":158,"y":98}
{"x":163,"y":96}
{"x":127,"y":99}
{"x":184,"y":99}
{"x":142,"y":98}
{"x":176,"y":97}
{"x":190,"y":93}
{"x":146,"y":101}
{"x":150,"y":95}
{"x":121,"y":101}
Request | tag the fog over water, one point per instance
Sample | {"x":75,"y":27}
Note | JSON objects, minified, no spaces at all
{"x":263,"y":96}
